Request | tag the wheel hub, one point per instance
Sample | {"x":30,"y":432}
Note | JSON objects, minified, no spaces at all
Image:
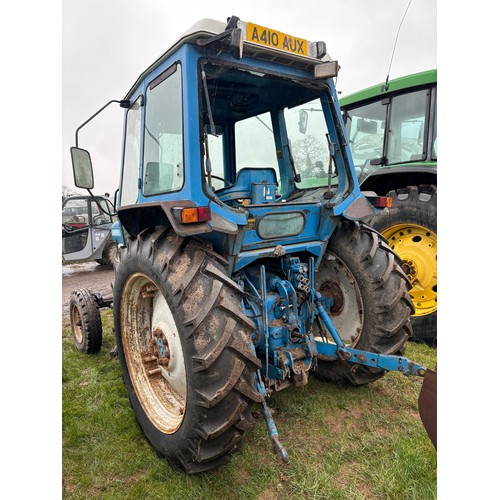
{"x":160,"y":347}
{"x":417,"y":248}
{"x":340,"y":286}
{"x":333,"y":291}
{"x":409,"y":269}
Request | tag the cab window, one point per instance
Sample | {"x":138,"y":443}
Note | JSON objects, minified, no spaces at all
{"x":75,"y":211}
{"x":131,"y":155}
{"x":255,"y":146}
{"x":99,"y":216}
{"x":307,"y":130}
{"x":163,"y":139}
{"x":365,"y":127}
{"x":406,"y":137}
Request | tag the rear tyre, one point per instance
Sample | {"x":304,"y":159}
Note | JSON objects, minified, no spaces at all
{"x":109,"y":255}
{"x":410,"y":227}
{"x":85,"y":320}
{"x":185,"y":349}
{"x":371,"y":308}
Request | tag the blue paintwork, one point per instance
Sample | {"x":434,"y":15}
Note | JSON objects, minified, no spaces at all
{"x":271,"y":425}
{"x":188,"y":57}
{"x":271,"y":301}
{"x":117,"y":233}
{"x":283,"y":338}
{"x":273,"y":235}
{"x":340,"y":350}
{"x":384,"y":361}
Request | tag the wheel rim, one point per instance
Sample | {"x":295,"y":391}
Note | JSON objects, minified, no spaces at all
{"x":417,"y":248}
{"x":337,"y":282}
{"x":153,"y":353}
{"x":76,"y":321}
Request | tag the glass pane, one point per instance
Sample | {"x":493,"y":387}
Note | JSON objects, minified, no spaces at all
{"x":75,"y":242}
{"x":82,"y":168}
{"x":131,"y":157}
{"x":255,"y":145}
{"x":98,"y":215}
{"x":75,"y":211}
{"x":306,"y":129}
{"x":434,"y":137}
{"x":365,"y":128}
{"x":163,"y":141}
{"x":406,"y":134}
{"x":215,"y":147}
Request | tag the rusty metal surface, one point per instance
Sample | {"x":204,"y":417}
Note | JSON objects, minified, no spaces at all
{"x":427,"y":405}
{"x":333,"y":290}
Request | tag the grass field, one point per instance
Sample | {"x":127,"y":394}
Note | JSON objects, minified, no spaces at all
{"x":363,"y":443}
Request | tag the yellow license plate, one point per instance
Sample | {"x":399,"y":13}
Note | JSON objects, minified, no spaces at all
{"x":276,"y":40}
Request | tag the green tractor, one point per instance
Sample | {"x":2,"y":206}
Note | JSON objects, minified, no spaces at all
{"x":392,"y":130}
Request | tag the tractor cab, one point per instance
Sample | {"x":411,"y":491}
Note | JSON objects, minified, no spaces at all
{"x":235,"y":134}
{"x":86,"y":228}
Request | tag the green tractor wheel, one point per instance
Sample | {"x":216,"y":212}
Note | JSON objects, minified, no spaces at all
{"x":185,"y":349}
{"x":410,"y":228}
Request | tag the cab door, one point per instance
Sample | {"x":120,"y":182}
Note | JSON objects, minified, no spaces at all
{"x":86,"y":228}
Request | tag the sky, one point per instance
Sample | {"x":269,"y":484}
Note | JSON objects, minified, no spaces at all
{"x":107,"y":44}
{"x":63,"y":59}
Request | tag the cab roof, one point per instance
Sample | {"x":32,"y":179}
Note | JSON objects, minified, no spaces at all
{"x":206,"y":28}
{"x":405,"y":82}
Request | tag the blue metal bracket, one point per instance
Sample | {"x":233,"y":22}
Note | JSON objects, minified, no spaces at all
{"x":387,"y":362}
{"x":338,"y":350}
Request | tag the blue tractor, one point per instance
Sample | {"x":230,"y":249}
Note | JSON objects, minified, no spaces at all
{"x":246,"y":264}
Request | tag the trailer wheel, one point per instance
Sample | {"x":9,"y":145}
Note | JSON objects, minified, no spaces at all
{"x":85,"y":320}
{"x":185,"y":349}
{"x":410,"y":227}
{"x":371,"y":306}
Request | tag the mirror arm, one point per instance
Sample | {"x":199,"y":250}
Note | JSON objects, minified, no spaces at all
{"x":123,"y":104}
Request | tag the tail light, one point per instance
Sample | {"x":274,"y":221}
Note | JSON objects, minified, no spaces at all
{"x":192,"y":215}
{"x":382,"y":202}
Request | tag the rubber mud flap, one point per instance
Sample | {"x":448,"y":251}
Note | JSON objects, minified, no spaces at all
{"x":427,"y":405}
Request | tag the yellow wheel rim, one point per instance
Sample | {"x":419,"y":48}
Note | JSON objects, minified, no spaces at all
{"x":417,"y":248}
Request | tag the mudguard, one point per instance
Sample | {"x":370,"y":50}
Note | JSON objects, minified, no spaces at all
{"x":427,"y":405}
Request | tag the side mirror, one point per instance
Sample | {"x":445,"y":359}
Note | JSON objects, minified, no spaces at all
{"x":303,"y":119}
{"x":82,"y":168}
{"x":366,"y":126}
